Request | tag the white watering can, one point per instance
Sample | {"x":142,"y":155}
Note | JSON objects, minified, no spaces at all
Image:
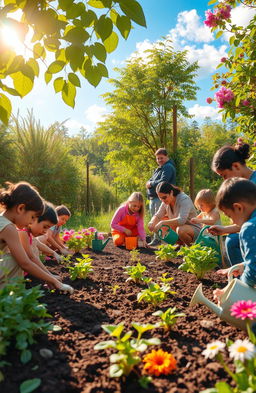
{"x":235,"y":290}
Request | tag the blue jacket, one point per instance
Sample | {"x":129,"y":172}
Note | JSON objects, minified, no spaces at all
{"x":167,"y":172}
{"x":247,"y":238}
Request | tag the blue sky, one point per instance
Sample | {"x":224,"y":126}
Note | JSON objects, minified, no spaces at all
{"x":182,"y":21}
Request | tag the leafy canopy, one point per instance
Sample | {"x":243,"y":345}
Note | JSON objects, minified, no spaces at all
{"x":72,"y":38}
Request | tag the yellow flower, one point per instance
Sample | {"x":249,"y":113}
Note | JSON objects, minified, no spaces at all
{"x":159,"y":362}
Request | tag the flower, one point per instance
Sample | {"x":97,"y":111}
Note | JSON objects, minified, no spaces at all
{"x":224,"y":95}
{"x":223,"y":59}
{"x":100,"y":236}
{"x":159,"y":362}
{"x":213,"y":349}
{"x":246,"y":102}
{"x":92,"y":229}
{"x":242,"y":350}
{"x":211,"y":19}
{"x":244,"y":309}
{"x":78,"y":237}
{"x":224,"y":12}
{"x":209,"y":100}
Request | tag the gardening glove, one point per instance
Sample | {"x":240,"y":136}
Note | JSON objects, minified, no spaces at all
{"x":66,"y":288}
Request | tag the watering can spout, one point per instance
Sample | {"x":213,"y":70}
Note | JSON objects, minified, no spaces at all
{"x":199,"y":297}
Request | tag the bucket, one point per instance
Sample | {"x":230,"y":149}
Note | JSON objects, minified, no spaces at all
{"x":131,"y":242}
{"x":170,"y":236}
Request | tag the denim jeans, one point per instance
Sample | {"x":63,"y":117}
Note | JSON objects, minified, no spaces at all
{"x":154,"y":205}
{"x":233,"y":249}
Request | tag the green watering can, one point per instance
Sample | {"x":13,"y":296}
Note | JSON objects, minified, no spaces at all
{"x":98,"y":244}
{"x":209,"y":241}
{"x":170,"y":236}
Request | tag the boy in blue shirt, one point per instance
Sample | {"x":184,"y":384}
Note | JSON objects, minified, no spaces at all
{"x":237,"y":199}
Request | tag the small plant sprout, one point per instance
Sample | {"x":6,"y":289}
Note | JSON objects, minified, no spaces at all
{"x":155,"y":294}
{"x":168,"y":317}
{"x":135,"y":273}
{"x":129,"y":349}
{"x":166,"y":252}
{"x":114,"y":288}
{"x":164,"y":279}
{"x":65,"y":260}
{"x":198,"y":259}
{"x":135,"y":256}
{"x":82,"y":268}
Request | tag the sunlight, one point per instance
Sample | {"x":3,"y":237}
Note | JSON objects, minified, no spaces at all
{"x":11,"y":38}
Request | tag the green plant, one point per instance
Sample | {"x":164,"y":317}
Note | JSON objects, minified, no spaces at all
{"x":22,"y":315}
{"x":135,"y":273}
{"x":198,"y":259}
{"x":114,"y":288}
{"x":168,"y":317}
{"x":76,"y":242}
{"x":166,"y":252}
{"x":81,"y":269}
{"x":135,"y":255}
{"x":164,"y":279}
{"x":154,"y":294}
{"x":65,"y":260}
{"x":128,"y":348}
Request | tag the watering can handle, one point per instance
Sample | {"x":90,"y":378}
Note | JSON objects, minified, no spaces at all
{"x":96,"y":235}
{"x":160,"y":232}
{"x":204,"y":228}
{"x":230,"y":272}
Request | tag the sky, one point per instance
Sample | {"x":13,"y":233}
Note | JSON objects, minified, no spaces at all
{"x":182,"y":22}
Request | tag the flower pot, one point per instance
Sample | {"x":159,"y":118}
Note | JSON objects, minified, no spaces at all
{"x":131,"y":242}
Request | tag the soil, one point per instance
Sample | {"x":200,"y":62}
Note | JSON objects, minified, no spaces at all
{"x":76,"y":367}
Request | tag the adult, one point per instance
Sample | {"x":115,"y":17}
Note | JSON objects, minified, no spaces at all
{"x":230,"y":161}
{"x":165,"y":172}
{"x":179,"y":209}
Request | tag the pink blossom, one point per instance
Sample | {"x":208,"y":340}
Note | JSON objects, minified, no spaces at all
{"x":244,"y":309}
{"x":246,"y":102}
{"x":254,"y":144}
{"x":66,"y":238}
{"x":224,"y":95}
{"x":78,"y":237}
{"x":100,"y":236}
{"x":92,"y":229}
{"x":225,"y":12}
{"x":224,"y":82}
{"x":223,"y":59}
{"x":240,"y":140}
{"x":87,"y":233}
{"x":211,"y":19}
{"x":209,"y":100}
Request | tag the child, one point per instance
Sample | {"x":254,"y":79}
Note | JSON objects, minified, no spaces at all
{"x":52,"y":238}
{"x":128,"y":220}
{"x":205,"y":201}
{"x":39,"y":227}
{"x":237,"y":199}
{"x":22,"y":205}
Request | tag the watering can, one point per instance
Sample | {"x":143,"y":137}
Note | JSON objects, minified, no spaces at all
{"x":170,"y":236}
{"x":209,"y":241}
{"x":98,"y":244}
{"x":235,"y":290}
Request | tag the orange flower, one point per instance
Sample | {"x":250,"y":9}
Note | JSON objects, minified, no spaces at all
{"x":159,"y":362}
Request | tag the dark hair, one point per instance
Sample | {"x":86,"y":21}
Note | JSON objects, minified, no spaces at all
{"x":167,"y":188}
{"x":162,"y":150}
{"x":21,"y":193}
{"x":49,"y":214}
{"x":227,"y":155}
{"x":235,"y":190}
{"x":62,"y":210}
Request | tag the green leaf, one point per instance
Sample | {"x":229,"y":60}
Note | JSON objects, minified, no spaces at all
{"x":223,"y":387}
{"x":22,"y":83}
{"x":73,"y":78}
{"x":30,"y":385}
{"x":75,"y":10}
{"x":76,"y":35}
{"x":5,"y":108}
{"x":47,"y":77}
{"x":25,"y":356}
{"x":75,"y":56}
{"x":111,"y":42}
{"x":92,"y":74}
{"x":115,"y":371}
{"x":58,"y":84}
{"x":105,"y":344}
{"x":96,"y":3}
{"x":134,"y":11}
{"x":33,"y":64}
{"x":99,"y":51}
{"x":88,"y":17}
{"x":102,"y":69}
{"x":104,"y":27}
{"x":69,"y":94}
{"x":212,"y":2}
{"x":219,"y":34}
{"x":55,"y":67}
{"x":39,"y":51}
{"x":123,"y":24}
{"x":65,"y":4}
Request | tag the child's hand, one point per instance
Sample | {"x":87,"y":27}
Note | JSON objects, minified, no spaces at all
{"x":65,"y":252}
{"x":56,"y":256}
{"x":128,"y":232}
{"x":195,"y":220}
{"x":223,"y":272}
{"x":57,"y":277}
{"x":217,"y":230}
{"x":158,"y":225}
{"x":151,"y":227}
{"x":145,"y":244}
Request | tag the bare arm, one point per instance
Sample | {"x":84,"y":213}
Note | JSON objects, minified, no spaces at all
{"x":44,"y":248}
{"x":222,"y":230}
{"x":213,"y":217}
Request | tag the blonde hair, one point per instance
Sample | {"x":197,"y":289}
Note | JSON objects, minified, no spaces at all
{"x":137,"y":197}
{"x":206,"y":196}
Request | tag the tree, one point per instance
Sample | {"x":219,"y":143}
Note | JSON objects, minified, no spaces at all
{"x":77,"y":34}
{"x":236,"y":97}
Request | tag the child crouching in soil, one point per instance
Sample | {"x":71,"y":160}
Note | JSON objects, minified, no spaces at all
{"x":205,"y":202}
{"x":237,"y":199}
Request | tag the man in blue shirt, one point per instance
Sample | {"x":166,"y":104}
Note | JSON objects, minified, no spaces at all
{"x":165,"y":172}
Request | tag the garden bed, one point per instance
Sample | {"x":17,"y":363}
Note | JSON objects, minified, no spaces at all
{"x":76,"y":367}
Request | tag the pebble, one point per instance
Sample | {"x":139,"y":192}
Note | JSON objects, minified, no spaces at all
{"x":207,"y":324}
{"x":46,"y":353}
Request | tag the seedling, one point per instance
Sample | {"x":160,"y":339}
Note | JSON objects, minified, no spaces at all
{"x":135,"y":256}
{"x":82,"y":268}
{"x":166,"y":252}
{"x":168,"y":318}
{"x":155,"y":294}
{"x":128,"y":348}
{"x":115,"y":288}
{"x":135,"y":273}
{"x":65,"y":260}
{"x":164,"y":279}
{"x":198,"y":259}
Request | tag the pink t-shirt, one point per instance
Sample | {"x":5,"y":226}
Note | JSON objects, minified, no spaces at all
{"x":120,"y":214}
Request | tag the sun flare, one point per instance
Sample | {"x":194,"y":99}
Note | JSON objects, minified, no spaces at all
{"x":11,"y":38}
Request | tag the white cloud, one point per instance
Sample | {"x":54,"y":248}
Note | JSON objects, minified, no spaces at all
{"x":74,"y":126}
{"x":201,"y":112}
{"x":208,"y":57}
{"x":240,"y":16}
{"x":95,"y":113}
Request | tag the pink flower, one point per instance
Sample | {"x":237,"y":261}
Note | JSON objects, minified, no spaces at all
{"x":92,"y":229}
{"x":100,"y":236}
{"x":78,"y":237}
{"x":209,"y":100}
{"x":211,"y":19}
{"x":246,"y":102}
{"x":240,"y":140}
{"x":224,"y":95}
{"x":87,"y":233}
{"x":244,"y":309}
{"x":224,"y":82}
{"x":223,"y":59}
{"x":254,"y":144}
{"x":225,"y":12}
{"x":66,"y":238}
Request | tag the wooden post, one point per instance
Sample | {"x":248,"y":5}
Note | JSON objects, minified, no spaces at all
{"x":191,"y":178}
{"x":87,"y":187}
{"x":174,"y":129}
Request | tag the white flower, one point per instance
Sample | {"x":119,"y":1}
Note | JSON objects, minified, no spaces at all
{"x":242,"y":350}
{"x":213,"y":349}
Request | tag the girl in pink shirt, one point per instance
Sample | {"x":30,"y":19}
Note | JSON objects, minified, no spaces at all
{"x":128,"y":220}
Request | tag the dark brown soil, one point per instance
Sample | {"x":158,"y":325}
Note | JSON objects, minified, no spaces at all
{"x":77,"y":368}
